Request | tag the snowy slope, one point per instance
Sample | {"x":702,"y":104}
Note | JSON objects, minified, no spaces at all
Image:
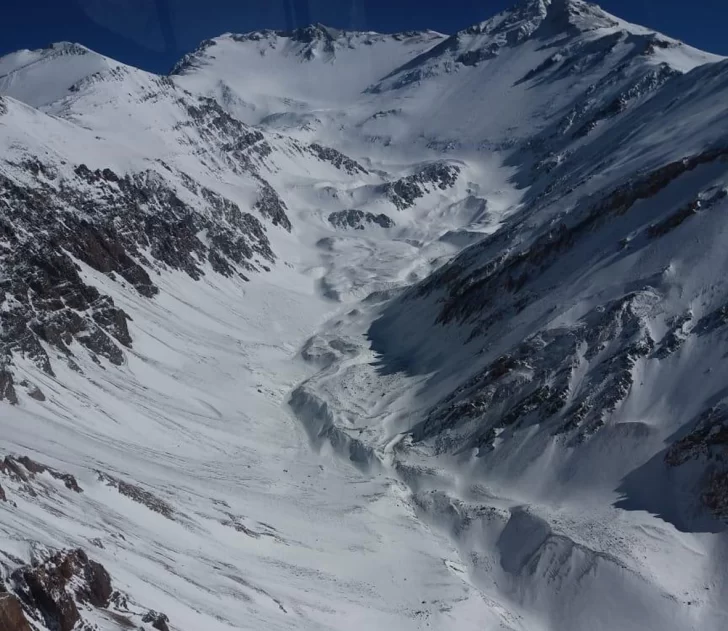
{"x":497,"y":82}
{"x":334,"y":330}
{"x":266,"y":73}
{"x":40,"y":77}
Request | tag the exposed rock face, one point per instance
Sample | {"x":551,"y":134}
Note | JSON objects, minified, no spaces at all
{"x":35,"y":467}
{"x":338,"y":159}
{"x":138,"y":494}
{"x":7,"y":389}
{"x":107,"y":221}
{"x":51,"y":590}
{"x":271,"y":206}
{"x":23,"y":469}
{"x":357,"y":219}
{"x":628,"y":84}
{"x":158,"y":620}
{"x":471,"y":292}
{"x":12,"y":617}
{"x":536,"y":382}
{"x":707,"y":444}
{"x":406,"y":191}
{"x":239,"y":146}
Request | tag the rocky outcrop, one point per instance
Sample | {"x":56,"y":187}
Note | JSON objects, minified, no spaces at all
{"x":471,"y":290}
{"x":36,"y":468}
{"x":24,"y":471}
{"x":338,"y":159}
{"x":646,"y":84}
{"x":707,"y":445}
{"x":358,"y":219}
{"x":138,"y":494}
{"x":271,"y":206}
{"x":12,"y":617}
{"x":241,"y":147}
{"x":53,"y":589}
{"x":536,"y":381}
{"x":403,"y":193}
{"x":120,"y":226}
{"x":158,"y":620}
{"x":7,"y":388}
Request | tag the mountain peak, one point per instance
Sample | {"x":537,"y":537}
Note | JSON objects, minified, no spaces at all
{"x":313,"y":42}
{"x":40,"y":77}
{"x":577,"y":15}
{"x":546,"y":18}
{"x":313,"y":32}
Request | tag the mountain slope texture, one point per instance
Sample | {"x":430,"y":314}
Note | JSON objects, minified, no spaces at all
{"x":343,"y":330}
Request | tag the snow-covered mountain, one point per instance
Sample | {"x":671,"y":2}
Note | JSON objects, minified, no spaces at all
{"x":331,"y":329}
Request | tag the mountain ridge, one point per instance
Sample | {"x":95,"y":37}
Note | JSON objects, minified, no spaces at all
{"x":336,"y":329}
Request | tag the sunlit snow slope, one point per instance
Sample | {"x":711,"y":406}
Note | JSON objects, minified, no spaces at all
{"x":342,"y":330}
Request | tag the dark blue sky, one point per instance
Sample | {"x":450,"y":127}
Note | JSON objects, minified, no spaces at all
{"x":153,"y":34}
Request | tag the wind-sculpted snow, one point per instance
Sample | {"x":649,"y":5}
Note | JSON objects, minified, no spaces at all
{"x":334,"y":329}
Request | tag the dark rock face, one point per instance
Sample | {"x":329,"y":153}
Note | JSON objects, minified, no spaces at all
{"x":338,"y":159}
{"x":52,"y":589}
{"x":158,"y":620}
{"x":106,"y":221}
{"x":12,"y":617}
{"x":242,"y":154}
{"x":473,"y":57}
{"x":682,"y":214}
{"x":707,"y":444}
{"x":357,"y":219}
{"x":7,"y":389}
{"x":138,"y":494}
{"x":34,"y":392}
{"x":644,"y":85}
{"x":629,"y":83}
{"x":568,"y":380}
{"x":23,"y":469}
{"x":271,"y":206}
{"x":535,"y":382}
{"x":309,"y":34}
{"x":191,"y":60}
{"x":406,"y":191}
{"x":470,"y":293}
{"x":35,"y":467}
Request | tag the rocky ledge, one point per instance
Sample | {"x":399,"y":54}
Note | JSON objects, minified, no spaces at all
{"x":358,"y":219}
{"x":121,"y":226}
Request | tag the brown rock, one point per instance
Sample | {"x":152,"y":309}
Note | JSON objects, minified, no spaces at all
{"x":3,"y":497}
{"x":12,"y":468}
{"x":52,"y":588}
{"x":36,"y":467}
{"x":12,"y":617}
{"x":138,"y":494}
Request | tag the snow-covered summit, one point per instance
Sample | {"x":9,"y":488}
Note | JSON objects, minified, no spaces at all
{"x":333,"y":329}
{"x":267,"y":72}
{"x":39,"y":77}
{"x":315,"y":42}
{"x":546,"y":18}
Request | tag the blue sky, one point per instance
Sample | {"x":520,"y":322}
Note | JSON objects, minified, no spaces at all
{"x":153,"y":34}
